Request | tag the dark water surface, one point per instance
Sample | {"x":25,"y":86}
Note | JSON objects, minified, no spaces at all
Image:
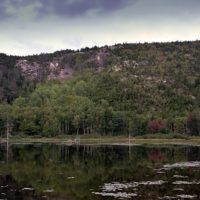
{"x":92,"y":172}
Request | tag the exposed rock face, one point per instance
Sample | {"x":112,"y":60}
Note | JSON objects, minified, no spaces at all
{"x":58,"y":72}
{"x":101,"y":57}
{"x":32,"y":70}
{"x":41,"y":71}
{"x":62,"y":66}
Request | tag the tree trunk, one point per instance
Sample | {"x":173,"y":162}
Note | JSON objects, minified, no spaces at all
{"x":77,"y":132}
{"x":7,"y":130}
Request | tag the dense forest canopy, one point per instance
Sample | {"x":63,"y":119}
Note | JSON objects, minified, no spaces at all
{"x":129,"y":88}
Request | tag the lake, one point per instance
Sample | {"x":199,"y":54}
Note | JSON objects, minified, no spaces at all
{"x":104,"y":172}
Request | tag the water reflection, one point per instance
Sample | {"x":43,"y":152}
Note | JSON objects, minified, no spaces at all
{"x":91,"y":172}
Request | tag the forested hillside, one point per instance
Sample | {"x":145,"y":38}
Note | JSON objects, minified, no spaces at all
{"x":129,"y":88}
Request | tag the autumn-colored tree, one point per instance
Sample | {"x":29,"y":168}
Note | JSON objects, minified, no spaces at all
{"x":156,"y":126}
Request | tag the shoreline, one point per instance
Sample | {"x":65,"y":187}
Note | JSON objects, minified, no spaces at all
{"x":104,"y":140}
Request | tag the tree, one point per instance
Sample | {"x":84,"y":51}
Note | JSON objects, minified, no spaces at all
{"x":29,"y":121}
{"x":82,"y":111}
{"x":6,"y":117}
{"x":180,"y":125}
{"x":104,"y":118}
{"x":156,"y":126}
{"x":81,"y":88}
{"x":193,"y":123}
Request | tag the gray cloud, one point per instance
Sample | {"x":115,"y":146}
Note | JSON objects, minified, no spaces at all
{"x":19,"y":9}
{"x":66,"y":9}
{"x":34,"y":26}
{"x":62,"y":8}
{"x":157,"y":10}
{"x":77,"y":8}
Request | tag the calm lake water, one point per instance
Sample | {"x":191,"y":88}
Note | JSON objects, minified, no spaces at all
{"x":93,"y":172}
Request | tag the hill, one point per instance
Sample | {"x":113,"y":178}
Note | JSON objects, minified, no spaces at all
{"x":135,"y":88}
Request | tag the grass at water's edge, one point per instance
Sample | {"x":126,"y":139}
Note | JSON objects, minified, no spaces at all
{"x":97,"y":139}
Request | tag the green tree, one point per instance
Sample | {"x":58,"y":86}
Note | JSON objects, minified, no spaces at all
{"x":180,"y":125}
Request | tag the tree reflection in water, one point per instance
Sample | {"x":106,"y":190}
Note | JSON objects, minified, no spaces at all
{"x":81,"y":172}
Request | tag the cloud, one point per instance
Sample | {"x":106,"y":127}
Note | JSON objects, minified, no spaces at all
{"x":29,"y":26}
{"x":20,"y":10}
{"x":27,"y":9}
{"x":74,"y":8}
{"x":156,"y":10}
{"x":67,"y":9}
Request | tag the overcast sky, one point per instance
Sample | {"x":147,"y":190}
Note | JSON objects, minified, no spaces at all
{"x":36,"y":26}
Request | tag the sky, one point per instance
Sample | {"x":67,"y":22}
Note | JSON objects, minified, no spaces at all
{"x":40,"y":26}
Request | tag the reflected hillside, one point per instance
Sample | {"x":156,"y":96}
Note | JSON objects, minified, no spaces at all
{"x":79,"y":172}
